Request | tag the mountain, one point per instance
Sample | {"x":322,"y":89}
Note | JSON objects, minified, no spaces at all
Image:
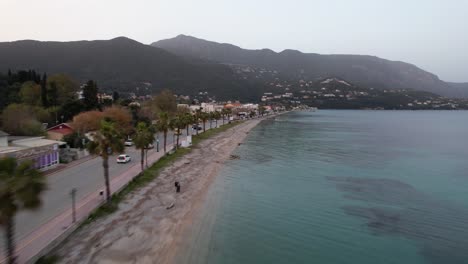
{"x":459,"y":88}
{"x":123,"y":64}
{"x":368,"y":71}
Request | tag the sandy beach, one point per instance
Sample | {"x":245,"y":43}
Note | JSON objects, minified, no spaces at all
{"x":143,"y":230}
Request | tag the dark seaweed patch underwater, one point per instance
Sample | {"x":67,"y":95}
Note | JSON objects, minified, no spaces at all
{"x":399,"y":209}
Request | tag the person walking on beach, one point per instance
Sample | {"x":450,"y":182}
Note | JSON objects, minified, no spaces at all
{"x":177,"y":185}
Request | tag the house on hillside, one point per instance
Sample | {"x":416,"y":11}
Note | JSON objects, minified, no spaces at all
{"x":233,"y":106}
{"x":59,"y":131}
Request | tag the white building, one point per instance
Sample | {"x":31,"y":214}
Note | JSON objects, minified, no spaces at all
{"x":3,"y":139}
{"x":208,"y":107}
{"x":211,"y":107}
{"x":44,"y":153}
{"x":194,"y":108}
{"x":250,"y":106}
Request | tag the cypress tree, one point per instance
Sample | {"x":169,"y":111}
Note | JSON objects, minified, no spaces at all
{"x":30,"y":75}
{"x":52,"y":94}
{"x":115,"y":96}
{"x":10,"y":77}
{"x":44,"y":91}
{"x":90,"y":92}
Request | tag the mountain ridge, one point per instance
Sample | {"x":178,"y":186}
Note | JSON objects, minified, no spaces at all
{"x":122,"y":64}
{"x":364,"y":70}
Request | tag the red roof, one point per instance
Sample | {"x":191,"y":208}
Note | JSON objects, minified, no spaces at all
{"x":64,"y":129}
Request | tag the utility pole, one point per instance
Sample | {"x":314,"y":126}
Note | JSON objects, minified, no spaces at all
{"x":73,"y":194}
{"x":173,"y":140}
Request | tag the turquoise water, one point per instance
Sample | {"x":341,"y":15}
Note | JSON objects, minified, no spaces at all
{"x":341,"y":187}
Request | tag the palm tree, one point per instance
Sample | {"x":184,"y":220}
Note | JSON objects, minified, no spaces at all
{"x":216,"y":116}
{"x":211,"y":117}
{"x":224,"y":113}
{"x":261,"y":110}
{"x":228,"y":113}
{"x":204,"y":117}
{"x":176,"y":124}
{"x":163,"y":126}
{"x":152,"y":130}
{"x":20,"y":188}
{"x":142,"y":138}
{"x":187,"y":120}
{"x":106,"y":141}
{"x":198,"y":115}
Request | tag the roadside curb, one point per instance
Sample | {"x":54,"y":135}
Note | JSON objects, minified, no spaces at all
{"x":70,"y":165}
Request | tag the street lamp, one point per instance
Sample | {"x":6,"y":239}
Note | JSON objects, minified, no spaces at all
{"x":73,"y":195}
{"x":157,"y":143}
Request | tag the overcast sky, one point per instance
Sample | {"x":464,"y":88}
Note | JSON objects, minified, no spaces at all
{"x":432,"y":34}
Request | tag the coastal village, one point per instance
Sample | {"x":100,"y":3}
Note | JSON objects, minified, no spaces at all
{"x":45,"y":150}
{"x":233,"y":132}
{"x":62,"y":137}
{"x":70,"y":146}
{"x":337,"y":93}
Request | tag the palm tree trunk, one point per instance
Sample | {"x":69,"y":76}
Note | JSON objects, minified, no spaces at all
{"x":186,"y":127}
{"x":223,"y":120}
{"x":146,"y":157}
{"x":10,"y":239}
{"x":165,"y":137}
{"x":204,"y":121}
{"x":177,"y":141}
{"x":142,"y":159}
{"x":105,"y":164}
{"x":211,"y":121}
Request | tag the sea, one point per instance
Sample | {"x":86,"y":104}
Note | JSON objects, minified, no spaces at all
{"x":340,"y":186}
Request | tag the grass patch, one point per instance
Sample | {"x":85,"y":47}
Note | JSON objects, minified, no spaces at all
{"x":48,"y":259}
{"x":151,"y":173}
{"x":211,"y":132}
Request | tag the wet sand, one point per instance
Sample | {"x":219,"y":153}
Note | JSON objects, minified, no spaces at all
{"x":143,"y":230}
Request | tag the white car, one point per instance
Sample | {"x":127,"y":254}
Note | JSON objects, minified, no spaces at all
{"x":128,"y":143}
{"x":123,"y":158}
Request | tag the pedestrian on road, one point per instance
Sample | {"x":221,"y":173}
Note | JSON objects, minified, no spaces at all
{"x":177,"y":185}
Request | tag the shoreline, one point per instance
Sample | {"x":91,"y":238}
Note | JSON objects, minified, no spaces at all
{"x":143,"y":230}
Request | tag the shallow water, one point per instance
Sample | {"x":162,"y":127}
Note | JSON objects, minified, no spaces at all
{"x":341,"y":187}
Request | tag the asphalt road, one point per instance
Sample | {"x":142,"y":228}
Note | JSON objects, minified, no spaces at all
{"x":86,"y":177}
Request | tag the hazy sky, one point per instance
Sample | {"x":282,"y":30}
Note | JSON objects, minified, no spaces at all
{"x":433,"y":34}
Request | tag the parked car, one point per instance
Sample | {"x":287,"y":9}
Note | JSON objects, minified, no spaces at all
{"x":196,"y":127}
{"x":128,"y":143}
{"x":124,"y":158}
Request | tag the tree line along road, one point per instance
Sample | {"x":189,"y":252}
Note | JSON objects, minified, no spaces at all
{"x":86,"y":177}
